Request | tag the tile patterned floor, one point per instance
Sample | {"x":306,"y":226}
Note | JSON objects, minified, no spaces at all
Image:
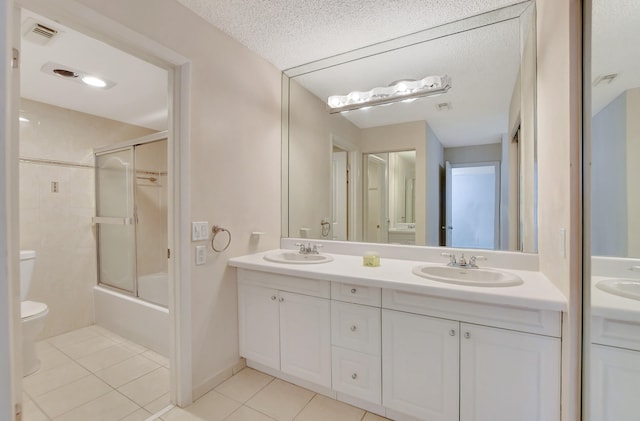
{"x":92,"y":374}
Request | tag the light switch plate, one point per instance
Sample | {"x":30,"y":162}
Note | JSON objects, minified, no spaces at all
{"x":201,"y":255}
{"x":199,"y":231}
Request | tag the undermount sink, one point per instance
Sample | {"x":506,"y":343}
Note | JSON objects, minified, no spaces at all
{"x":294,"y":257}
{"x":629,"y":288}
{"x":463,"y":276}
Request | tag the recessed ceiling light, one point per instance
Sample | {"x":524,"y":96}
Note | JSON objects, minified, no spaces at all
{"x":65,"y":73}
{"x":76,"y":75}
{"x":444,"y":106}
{"x":94,"y":81}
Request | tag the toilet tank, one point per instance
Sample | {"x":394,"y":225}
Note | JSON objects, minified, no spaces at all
{"x":27,"y":263}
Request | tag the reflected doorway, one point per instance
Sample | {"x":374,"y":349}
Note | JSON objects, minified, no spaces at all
{"x":472,"y":205}
{"x":339,"y":194}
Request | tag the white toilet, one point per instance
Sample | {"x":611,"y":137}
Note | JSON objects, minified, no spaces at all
{"x":33,"y":314}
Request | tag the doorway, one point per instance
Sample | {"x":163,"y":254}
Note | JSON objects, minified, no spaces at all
{"x":174,"y":82}
{"x":473,"y":205}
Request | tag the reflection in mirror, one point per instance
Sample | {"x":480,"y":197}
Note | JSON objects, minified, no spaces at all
{"x":389,"y":197}
{"x":613,"y":350}
{"x":339,"y":172}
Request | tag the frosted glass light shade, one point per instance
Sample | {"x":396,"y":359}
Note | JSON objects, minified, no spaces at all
{"x":398,"y":91}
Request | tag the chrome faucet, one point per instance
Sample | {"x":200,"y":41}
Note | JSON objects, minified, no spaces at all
{"x":308,"y":248}
{"x":462,"y":262}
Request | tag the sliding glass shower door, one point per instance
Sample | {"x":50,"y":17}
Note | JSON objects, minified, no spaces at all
{"x":115,"y":217}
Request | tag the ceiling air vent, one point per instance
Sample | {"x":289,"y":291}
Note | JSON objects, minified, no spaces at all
{"x":39,"y":33}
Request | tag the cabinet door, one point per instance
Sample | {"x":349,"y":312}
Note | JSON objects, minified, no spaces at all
{"x":507,"y":375}
{"x":305,"y":337}
{"x":615,"y":381}
{"x":258,"y":321}
{"x":420,"y":360}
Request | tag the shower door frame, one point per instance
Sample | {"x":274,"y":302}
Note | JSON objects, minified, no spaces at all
{"x":133,"y":218}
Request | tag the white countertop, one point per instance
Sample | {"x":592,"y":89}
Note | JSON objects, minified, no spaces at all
{"x":537,"y":292}
{"x":611,"y":306}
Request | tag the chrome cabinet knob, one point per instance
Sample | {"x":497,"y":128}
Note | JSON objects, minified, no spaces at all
{"x":353,"y":290}
{"x":273,"y":298}
{"x":281,"y":299}
{"x":354,"y":376}
{"x":467,"y":335}
{"x":354,"y":328}
{"x":452,"y":332}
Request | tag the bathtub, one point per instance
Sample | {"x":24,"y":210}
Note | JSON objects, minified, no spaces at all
{"x":134,"y":319}
{"x":154,"y":288}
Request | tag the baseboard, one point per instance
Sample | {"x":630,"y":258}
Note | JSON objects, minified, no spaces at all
{"x":212,"y":382}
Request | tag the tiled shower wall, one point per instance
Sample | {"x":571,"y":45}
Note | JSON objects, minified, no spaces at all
{"x":57,"y":225}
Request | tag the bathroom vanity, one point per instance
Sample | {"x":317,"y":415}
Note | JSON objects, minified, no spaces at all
{"x":404,"y":346}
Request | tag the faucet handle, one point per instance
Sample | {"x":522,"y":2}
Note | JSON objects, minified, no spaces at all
{"x":315,"y":248}
{"x":474,"y":259}
{"x":451,"y":256}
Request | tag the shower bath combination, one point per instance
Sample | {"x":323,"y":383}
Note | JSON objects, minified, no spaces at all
{"x":131,"y":295}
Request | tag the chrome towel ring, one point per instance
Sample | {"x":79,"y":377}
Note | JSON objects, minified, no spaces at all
{"x":217,"y":230}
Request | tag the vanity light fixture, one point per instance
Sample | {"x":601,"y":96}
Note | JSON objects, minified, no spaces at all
{"x":78,"y":76}
{"x":403,"y":90}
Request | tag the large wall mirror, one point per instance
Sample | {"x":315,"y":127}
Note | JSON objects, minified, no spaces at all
{"x":456,"y":169}
{"x":612,"y":148}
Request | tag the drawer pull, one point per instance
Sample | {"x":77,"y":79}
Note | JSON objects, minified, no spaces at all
{"x":452,"y":332}
{"x":273,"y":298}
{"x":353,"y":290}
{"x":354,"y":328}
{"x":467,"y":335}
{"x":281,"y":299}
{"x":354,"y":376}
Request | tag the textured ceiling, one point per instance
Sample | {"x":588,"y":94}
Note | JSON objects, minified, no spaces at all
{"x":289,"y":33}
{"x":616,"y":30}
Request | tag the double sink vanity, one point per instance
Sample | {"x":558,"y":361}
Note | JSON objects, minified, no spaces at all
{"x":412,"y":339}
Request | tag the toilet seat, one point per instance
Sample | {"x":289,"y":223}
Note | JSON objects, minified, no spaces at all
{"x":32,"y":310}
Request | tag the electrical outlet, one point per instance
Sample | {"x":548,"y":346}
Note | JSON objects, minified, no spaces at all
{"x":199,"y":231}
{"x":201,"y":255}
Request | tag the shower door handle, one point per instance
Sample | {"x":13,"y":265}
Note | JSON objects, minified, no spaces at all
{"x":112,"y":221}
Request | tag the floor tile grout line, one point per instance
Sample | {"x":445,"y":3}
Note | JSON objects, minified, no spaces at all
{"x":305,"y":405}
{"x":139,"y":377}
{"x":82,"y":404}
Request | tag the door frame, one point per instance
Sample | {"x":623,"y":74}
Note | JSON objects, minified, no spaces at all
{"x":353,"y":168}
{"x":86,"y":20}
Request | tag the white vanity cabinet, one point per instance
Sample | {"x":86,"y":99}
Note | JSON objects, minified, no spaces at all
{"x":355,"y":340}
{"x":507,"y":375}
{"x":284,"y":330}
{"x":615,"y":369}
{"x":444,"y":369}
{"x":402,"y":354}
{"x":420,"y":363}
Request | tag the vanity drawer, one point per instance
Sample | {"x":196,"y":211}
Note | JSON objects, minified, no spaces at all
{"x":303,"y":286}
{"x":542,"y":322}
{"x":356,"y":374}
{"x":618,"y":333}
{"x":356,"y":294}
{"x":355,"y":327}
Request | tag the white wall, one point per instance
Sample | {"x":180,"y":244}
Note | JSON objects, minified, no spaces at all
{"x":633,"y":170}
{"x":559,"y":173}
{"x":234,"y":163}
{"x":609,"y":180}
{"x":311,"y":130}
